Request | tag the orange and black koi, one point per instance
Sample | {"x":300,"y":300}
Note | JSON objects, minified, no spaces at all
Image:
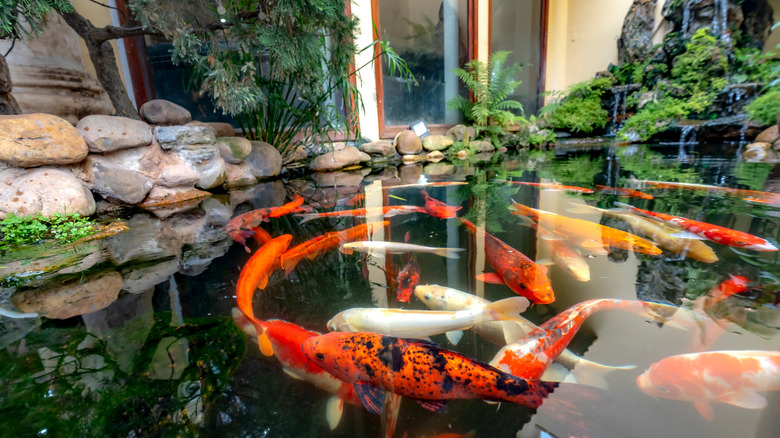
{"x":407,"y":280}
{"x":438,"y":209}
{"x":420,"y":370}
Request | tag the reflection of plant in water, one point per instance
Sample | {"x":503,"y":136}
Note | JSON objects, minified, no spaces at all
{"x":79,"y":388}
{"x":646,"y":164}
{"x":753,"y":175}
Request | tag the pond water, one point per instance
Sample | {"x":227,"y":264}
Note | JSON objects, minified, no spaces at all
{"x":140,"y":340}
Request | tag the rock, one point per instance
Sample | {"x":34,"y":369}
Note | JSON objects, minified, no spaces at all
{"x":220,"y":128}
{"x":769,"y":135}
{"x":336,"y":159}
{"x":482,"y":146}
{"x":407,"y":143}
{"x":178,"y":175}
{"x":163,"y":112}
{"x":636,"y":39}
{"x":434,"y":156}
{"x":364,"y":157}
{"x":43,"y":190}
{"x":759,"y":152}
{"x":205,"y":161}
{"x":8,"y":105}
{"x":462,"y":154}
{"x":74,"y":298}
{"x":234,"y":149}
{"x":437,"y":142}
{"x":147,"y":160}
{"x":337,"y":179}
{"x":31,"y":140}
{"x":110,"y":133}
{"x":299,"y":154}
{"x":139,"y":280}
{"x":239,"y":175}
{"x":114,"y":182}
{"x":436,"y":169}
{"x":170,"y":137}
{"x":410,"y":173}
{"x":167,"y":201}
{"x":269,"y":194}
{"x":459,"y":132}
{"x":410,"y":159}
{"x":5,"y":76}
{"x":264,"y":161}
{"x":384,"y":148}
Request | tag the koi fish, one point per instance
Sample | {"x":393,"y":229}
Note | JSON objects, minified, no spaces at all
{"x":552,"y":186}
{"x":381,"y":247}
{"x":424,"y":323}
{"x":388,"y":211}
{"x":438,"y":209}
{"x":530,"y":357}
{"x":514,"y":269}
{"x":407,"y":280}
{"x":661,"y":234}
{"x":242,"y":226}
{"x":623,"y":192}
{"x":417,"y":369}
{"x":501,"y":333}
{"x":733,"y":377}
{"x":261,"y":236}
{"x":326,"y":242}
{"x":588,"y":234}
{"x":706,"y":329}
{"x":716,"y":233}
{"x":747,"y":195}
{"x":563,"y":254}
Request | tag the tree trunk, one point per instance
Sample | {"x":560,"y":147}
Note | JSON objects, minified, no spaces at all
{"x":102,"y":55}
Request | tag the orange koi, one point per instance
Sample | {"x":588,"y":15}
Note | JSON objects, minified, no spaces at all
{"x":588,"y":234}
{"x":529,"y":357}
{"x":407,"y":280}
{"x":748,"y":195}
{"x":261,"y":236}
{"x":707,"y":330}
{"x":716,"y":233}
{"x":256,"y":271}
{"x":438,"y":209}
{"x":326,"y":242}
{"x":552,"y":186}
{"x":288,"y":208}
{"x":733,"y":377}
{"x":242,"y":226}
{"x":388,"y":211}
{"x":515,"y":269}
{"x":420,"y":370}
{"x":624,"y":192}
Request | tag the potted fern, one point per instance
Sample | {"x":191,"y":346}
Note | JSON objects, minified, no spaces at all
{"x":490,"y":85}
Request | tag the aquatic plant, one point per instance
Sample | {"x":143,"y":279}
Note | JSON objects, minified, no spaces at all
{"x":581,"y":110}
{"x":17,"y":230}
{"x":491,"y":84}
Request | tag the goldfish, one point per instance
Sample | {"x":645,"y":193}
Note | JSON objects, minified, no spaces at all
{"x":388,"y":211}
{"x":407,"y":280}
{"x":430,"y":375}
{"x":438,"y":209}
{"x":515,"y":269}
{"x":706,"y":329}
{"x":261,"y":236}
{"x":588,"y":234}
{"x":624,"y":192}
{"x":716,"y":233}
{"x":661,"y":234}
{"x":326,"y":242}
{"x":424,"y":323}
{"x":242,"y":226}
{"x":733,"y":377}
{"x":380,"y":247}
{"x":288,"y":208}
{"x":585,"y":372}
{"x":563,"y":254}
{"x":530,"y":357}
{"x":255,"y":272}
{"x":552,"y":186}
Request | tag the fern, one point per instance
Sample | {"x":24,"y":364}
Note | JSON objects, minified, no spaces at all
{"x":490,"y":86}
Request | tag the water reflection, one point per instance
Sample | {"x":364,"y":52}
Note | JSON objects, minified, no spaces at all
{"x":136,"y":335}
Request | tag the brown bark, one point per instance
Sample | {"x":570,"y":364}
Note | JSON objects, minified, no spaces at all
{"x":102,"y":55}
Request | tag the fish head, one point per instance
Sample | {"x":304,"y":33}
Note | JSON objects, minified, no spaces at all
{"x":332,"y":353}
{"x":533,"y":285}
{"x":761,"y":246}
{"x":672,"y":378}
{"x":433,"y":296}
{"x":338,"y":323}
{"x":645,"y":247}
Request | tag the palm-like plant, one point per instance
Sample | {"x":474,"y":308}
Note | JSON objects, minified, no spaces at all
{"x":490,"y":86}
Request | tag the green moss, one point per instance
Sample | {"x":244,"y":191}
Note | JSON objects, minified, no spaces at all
{"x":581,"y":111}
{"x":764,"y":109}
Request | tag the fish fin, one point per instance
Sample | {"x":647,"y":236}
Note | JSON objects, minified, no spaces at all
{"x":522,"y":210}
{"x":624,"y":205}
{"x":704,"y":409}
{"x":292,"y":374}
{"x":492,"y":278}
{"x":345,"y":250}
{"x":390,"y":413}
{"x":556,"y":372}
{"x":265,"y":344}
{"x":372,"y":397}
{"x":263,"y":282}
{"x":439,"y":406}
{"x":307,"y":217}
{"x":591,"y":244}
{"x":746,"y":399}
{"x":506,"y":309}
{"x":454,"y":336}
{"x":599,"y":251}
{"x":333,"y":411}
{"x":450,"y":253}
{"x":513,"y":331}
{"x":545,"y":261}
{"x":687,"y":235}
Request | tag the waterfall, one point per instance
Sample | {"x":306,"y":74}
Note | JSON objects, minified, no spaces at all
{"x":720,"y":18}
{"x":742,"y":132}
{"x":686,"y":19}
{"x":685,"y":131}
{"x":618,"y":101}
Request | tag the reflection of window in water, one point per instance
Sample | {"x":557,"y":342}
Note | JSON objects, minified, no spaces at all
{"x":430,"y":35}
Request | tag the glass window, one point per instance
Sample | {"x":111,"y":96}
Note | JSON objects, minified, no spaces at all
{"x":516,"y":27}
{"x":431,"y":35}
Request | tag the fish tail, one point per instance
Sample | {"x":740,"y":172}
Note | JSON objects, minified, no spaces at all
{"x":308,"y":216}
{"x":470,"y":225}
{"x":595,"y":374}
{"x":624,"y":205}
{"x":506,"y":309}
{"x":522,"y":210}
{"x":450,"y":253}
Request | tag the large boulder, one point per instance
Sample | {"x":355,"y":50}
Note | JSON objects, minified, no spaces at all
{"x":44,"y":190}
{"x":115,"y":182}
{"x":636,"y":39}
{"x":170,"y":137}
{"x":74,"y":298}
{"x":163,"y":112}
{"x":234,"y":149}
{"x":31,"y":140}
{"x":264,"y":161}
{"x":349,"y":156}
{"x":437,"y":142}
{"x":205,"y":161}
{"x":239,"y":175}
{"x":407,"y":143}
{"x":110,"y":133}
{"x":220,"y":128}
{"x":384,"y":148}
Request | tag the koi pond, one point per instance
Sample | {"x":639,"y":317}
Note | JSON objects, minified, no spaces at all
{"x":139,"y":334}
